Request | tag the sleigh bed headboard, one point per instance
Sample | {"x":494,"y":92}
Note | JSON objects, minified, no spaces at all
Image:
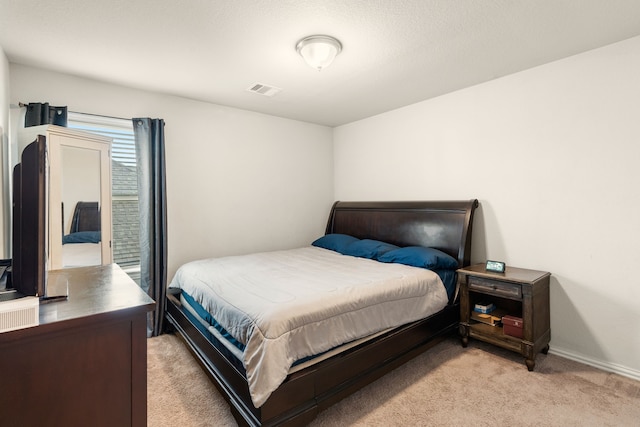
{"x":444,"y":225}
{"x":86,"y":217}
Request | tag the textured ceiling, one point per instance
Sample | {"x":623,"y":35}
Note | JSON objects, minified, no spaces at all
{"x":396,"y":52}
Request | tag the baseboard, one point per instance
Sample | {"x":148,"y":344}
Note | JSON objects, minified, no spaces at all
{"x":605,"y":366}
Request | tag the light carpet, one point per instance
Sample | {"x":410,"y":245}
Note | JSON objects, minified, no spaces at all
{"x":480,"y":385}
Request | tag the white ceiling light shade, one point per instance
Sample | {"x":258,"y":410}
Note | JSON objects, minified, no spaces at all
{"x":319,"y":51}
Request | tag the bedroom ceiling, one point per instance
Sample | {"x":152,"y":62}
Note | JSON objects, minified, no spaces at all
{"x":395,"y":52}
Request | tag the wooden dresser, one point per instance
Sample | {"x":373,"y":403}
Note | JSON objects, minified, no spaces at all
{"x":86,"y":361}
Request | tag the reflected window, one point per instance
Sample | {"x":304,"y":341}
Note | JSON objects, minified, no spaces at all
{"x":125,"y":218}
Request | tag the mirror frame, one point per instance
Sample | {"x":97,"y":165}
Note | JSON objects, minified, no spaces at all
{"x":59,"y":138}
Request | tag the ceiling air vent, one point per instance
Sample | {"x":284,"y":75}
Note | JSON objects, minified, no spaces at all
{"x":265,"y":90}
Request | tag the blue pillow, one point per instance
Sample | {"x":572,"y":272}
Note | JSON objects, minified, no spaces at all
{"x":336,"y":242}
{"x":367,"y":248}
{"x":82,"y":237}
{"x":419,"y":256}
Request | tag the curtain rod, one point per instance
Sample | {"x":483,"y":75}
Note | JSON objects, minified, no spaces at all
{"x":22,"y":104}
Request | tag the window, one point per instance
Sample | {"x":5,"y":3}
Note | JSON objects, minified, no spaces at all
{"x":125,"y":218}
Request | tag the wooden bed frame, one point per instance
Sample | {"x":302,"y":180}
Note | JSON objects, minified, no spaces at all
{"x":86,"y":217}
{"x":445,"y":225}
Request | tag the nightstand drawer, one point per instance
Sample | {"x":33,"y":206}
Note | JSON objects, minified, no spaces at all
{"x":508,"y":290}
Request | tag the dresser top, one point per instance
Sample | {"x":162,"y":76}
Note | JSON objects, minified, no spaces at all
{"x":91,"y":291}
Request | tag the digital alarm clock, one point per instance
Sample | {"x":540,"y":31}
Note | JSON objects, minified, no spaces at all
{"x":495,"y":266}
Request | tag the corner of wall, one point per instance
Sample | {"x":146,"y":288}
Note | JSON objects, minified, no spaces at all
{"x":4,"y":141}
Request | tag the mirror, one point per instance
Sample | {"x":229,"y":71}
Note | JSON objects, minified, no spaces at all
{"x":80,"y":207}
{"x":79,"y":199}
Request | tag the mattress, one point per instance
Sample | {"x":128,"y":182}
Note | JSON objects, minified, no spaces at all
{"x":285,"y":306}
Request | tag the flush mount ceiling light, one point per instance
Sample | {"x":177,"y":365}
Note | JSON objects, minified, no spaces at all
{"x":319,"y":51}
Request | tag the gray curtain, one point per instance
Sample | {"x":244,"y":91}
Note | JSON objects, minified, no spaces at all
{"x":41,"y":113}
{"x":149,"y":138}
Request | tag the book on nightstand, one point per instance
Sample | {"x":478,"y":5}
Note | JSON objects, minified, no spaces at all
{"x":494,"y":318}
{"x":484,"y":307}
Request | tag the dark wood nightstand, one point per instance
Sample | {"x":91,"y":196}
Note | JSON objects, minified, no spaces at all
{"x":517,"y":292}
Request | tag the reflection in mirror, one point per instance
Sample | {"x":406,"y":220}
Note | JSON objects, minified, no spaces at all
{"x":80,"y":207}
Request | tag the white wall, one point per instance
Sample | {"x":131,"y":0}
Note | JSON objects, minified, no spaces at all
{"x":553,"y":155}
{"x":237,"y":181}
{"x":4,"y":126}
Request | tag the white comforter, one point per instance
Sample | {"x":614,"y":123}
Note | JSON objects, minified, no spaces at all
{"x":287,"y":305}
